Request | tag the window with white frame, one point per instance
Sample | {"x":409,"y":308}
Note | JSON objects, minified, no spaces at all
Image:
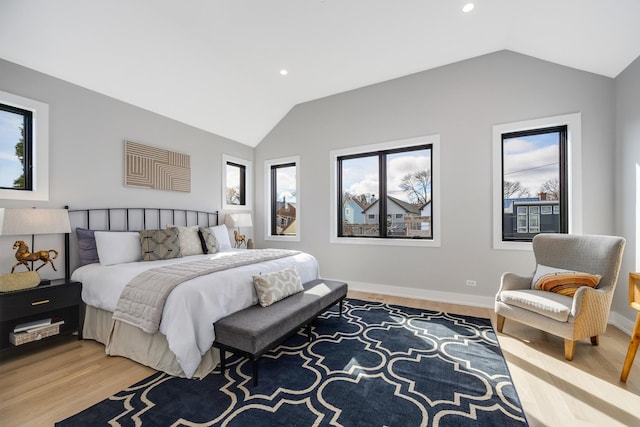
{"x":283,"y":199}
{"x":24,"y":148}
{"x":536,"y":179}
{"x":236,"y":183}
{"x":396,"y":185}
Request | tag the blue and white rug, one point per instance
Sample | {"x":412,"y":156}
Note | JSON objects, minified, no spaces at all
{"x":378,"y":365}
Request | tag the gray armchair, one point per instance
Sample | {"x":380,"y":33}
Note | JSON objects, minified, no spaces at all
{"x":584,"y":315}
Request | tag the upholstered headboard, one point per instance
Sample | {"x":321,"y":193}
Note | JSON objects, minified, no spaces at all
{"x":128,"y":219}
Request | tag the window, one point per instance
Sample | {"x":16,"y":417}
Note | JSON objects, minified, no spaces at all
{"x":395,"y":189}
{"x":15,"y":148}
{"x":536,"y":179}
{"x":24,"y":133}
{"x":236,"y":181}
{"x":283,"y":219}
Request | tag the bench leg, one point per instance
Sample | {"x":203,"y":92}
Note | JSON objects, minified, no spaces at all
{"x":308,"y":328}
{"x":222,"y":360}
{"x":341,"y":307}
{"x":254,"y":367}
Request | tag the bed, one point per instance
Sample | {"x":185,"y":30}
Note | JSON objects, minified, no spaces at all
{"x":181,"y":346}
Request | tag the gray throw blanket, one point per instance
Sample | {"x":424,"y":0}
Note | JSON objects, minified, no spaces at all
{"x":143,"y":298}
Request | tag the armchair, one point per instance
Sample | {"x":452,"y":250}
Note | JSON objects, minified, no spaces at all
{"x":584,"y":315}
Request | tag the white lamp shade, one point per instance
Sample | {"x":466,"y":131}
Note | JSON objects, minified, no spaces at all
{"x":238,"y":220}
{"x":34,"y":221}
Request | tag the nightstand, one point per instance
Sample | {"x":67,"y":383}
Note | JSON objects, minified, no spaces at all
{"x":58,"y":299}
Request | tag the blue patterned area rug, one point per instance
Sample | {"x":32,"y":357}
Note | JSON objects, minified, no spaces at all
{"x":378,"y":365}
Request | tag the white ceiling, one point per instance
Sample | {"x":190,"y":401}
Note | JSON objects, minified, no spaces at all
{"x":215,"y":64}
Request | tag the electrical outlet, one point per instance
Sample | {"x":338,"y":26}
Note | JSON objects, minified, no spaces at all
{"x":471,"y":283}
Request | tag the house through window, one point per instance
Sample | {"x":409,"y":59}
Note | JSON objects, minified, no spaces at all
{"x":534,"y":183}
{"x":388,"y":192}
{"x":284,"y":203}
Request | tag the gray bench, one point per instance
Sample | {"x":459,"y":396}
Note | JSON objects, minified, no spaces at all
{"x":256,"y":329}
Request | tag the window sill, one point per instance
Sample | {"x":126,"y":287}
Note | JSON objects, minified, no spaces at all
{"x":424,"y":243}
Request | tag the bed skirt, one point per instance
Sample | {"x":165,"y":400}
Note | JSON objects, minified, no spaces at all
{"x":121,"y":339}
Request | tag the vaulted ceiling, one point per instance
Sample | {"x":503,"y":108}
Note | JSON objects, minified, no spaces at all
{"x":215,"y":64}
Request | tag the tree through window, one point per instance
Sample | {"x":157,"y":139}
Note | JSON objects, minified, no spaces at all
{"x":15,"y":148}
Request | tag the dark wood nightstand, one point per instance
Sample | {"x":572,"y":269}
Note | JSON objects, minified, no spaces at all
{"x":58,"y":299}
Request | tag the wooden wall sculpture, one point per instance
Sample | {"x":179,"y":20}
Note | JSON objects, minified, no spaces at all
{"x":156,"y":168}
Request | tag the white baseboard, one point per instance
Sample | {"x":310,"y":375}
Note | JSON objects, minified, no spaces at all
{"x":615,"y":319}
{"x":621,"y":322}
{"x":424,"y":294}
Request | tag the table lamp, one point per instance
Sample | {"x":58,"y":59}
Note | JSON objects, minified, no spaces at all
{"x":237,"y":221}
{"x":18,"y":222}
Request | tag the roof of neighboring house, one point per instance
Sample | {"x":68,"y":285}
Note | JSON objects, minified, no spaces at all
{"x":356,"y":201}
{"x":409,"y":207}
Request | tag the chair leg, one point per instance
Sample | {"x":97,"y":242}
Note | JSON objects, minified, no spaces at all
{"x":595,"y":340}
{"x":500,"y":323}
{"x":569,"y":349}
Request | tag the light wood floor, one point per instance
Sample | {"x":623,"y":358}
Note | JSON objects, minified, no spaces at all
{"x":57,"y":381}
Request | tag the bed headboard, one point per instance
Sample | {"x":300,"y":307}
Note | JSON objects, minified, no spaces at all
{"x":128,"y":219}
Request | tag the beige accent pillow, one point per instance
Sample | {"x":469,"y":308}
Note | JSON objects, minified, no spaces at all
{"x":209,"y":240}
{"x":273,"y":287}
{"x":189,"y":240}
{"x":160,"y":244}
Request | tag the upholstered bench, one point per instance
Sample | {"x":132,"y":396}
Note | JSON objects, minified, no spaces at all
{"x":256,"y":329}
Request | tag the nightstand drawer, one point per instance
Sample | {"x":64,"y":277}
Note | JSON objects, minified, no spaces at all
{"x":38,"y":300}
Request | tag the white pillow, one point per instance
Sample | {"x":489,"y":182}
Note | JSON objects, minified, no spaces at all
{"x":222,"y":237}
{"x":116,"y":247}
{"x":189,"y":238}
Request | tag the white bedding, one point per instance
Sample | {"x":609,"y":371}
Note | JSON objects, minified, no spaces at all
{"x":192,"y":307}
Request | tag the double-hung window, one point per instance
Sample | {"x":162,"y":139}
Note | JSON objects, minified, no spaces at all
{"x":24,"y":133}
{"x":391,"y":190}
{"x":283,"y":199}
{"x":535,"y":180}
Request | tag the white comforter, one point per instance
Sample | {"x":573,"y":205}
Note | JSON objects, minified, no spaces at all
{"x":192,"y":307}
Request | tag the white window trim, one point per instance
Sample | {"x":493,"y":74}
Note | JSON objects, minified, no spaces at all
{"x":574,"y":173}
{"x":267,"y":192}
{"x":248,"y":180}
{"x":436,"y":225}
{"x":40,"y":147}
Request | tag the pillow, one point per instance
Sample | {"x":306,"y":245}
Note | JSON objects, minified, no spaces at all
{"x":189,"y":240}
{"x":222,"y":237}
{"x":564,"y":282}
{"x":116,"y":247}
{"x":273,"y":287}
{"x":87,"y":246}
{"x":160,"y":244}
{"x":208,"y":240}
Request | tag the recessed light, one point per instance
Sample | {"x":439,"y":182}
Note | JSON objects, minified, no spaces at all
{"x":284,"y":72}
{"x":468,"y":7}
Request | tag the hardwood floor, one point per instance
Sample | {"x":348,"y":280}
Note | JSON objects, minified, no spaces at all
{"x":57,"y":381}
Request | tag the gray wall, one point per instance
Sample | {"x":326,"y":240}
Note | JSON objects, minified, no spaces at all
{"x":461,"y":102}
{"x":87,"y":155}
{"x":628,"y":177}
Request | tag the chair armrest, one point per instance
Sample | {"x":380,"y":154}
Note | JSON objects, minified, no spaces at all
{"x":512,"y":281}
{"x":592,"y":302}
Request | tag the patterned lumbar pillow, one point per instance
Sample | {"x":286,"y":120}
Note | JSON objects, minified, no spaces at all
{"x":160,"y":244}
{"x":273,"y":287}
{"x":564,"y":282}
{"x":208,"y":239}
{"x":189,"y":240}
